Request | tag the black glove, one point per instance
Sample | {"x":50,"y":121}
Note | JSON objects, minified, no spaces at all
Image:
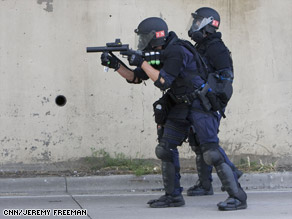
{"x":109,"y":61}
{"x":135,"y":60}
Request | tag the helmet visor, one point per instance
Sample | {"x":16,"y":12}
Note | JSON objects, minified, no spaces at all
{"x":200,"y":22}
{"x":143,"y":40}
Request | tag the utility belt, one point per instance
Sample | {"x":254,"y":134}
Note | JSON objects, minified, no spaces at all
{"x":163,"y":106}
{"x":186,"y":98}
{"x":199,"y":93}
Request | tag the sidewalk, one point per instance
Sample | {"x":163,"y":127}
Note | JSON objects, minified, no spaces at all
{"x":131,"y":183}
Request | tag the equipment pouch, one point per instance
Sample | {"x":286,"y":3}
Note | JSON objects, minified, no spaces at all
{"x":161,"y":108}
{"x":221,"y":85}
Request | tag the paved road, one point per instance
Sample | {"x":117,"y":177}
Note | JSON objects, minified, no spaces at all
{"x":269,"y":204}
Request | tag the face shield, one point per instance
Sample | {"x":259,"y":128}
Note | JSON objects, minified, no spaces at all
{"x":199,"y":23}
{"x":143,"y":39}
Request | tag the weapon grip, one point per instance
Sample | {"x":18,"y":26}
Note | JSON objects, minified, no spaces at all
{"x":105,"y":61}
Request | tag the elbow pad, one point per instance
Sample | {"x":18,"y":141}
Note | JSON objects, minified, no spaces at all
{"x":161,"y":86}
{"x":139,"y":76}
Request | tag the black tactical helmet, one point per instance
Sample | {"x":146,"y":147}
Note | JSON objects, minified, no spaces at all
{"x":206,"y":20}
{"x":152,"y":32}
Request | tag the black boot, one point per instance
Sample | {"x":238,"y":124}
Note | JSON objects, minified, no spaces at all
{"x":167,"y":201}
{"x":199,"y":190}
{"x":203,"y":185}
{"x":237,"y":197}
{"x":231,"y":204}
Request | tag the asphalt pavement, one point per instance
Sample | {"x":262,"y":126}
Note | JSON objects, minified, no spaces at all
{"x":125,"y":196}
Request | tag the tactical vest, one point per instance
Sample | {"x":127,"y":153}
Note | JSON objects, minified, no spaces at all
{"x":220,"y":80}
{"x":202,"y":50}
{"x":183,"y":85}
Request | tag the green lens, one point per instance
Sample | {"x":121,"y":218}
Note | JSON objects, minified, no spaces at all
{"x":157,"y":62}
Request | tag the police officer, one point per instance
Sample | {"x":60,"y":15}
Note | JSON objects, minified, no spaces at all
{"x":217,"y":59}
{"x":182,"y":76}
{"x":153,"y":36}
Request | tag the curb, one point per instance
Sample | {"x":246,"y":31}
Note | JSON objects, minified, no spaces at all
{"x":32,"y":185}
{"x":131,"y":183}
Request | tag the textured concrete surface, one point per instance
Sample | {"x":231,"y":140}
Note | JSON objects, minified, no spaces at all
{"x":42,"y":56}
{"x":261,"y":204}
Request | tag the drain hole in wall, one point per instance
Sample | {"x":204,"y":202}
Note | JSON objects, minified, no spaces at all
{"x":61,"y":100}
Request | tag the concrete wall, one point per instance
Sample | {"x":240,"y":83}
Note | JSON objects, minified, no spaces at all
{"x":42,"y":55}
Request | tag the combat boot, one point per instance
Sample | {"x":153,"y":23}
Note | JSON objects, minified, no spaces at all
{"x":199,"y":190}
{"x":167,"y":201}
{"x":235,"y":202}
{"x":231,"y":204}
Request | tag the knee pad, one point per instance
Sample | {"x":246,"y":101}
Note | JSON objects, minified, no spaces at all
{"x":213,"y":157}
{"x":163,"y":151}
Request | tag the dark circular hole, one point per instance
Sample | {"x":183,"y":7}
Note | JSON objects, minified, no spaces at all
{"x":61,"y":100}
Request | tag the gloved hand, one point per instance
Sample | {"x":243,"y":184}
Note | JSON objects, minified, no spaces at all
{"x":109,"y":61}
{"x":135,"y":60}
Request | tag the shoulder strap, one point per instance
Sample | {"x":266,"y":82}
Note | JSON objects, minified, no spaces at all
{"x":202,"y":67}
